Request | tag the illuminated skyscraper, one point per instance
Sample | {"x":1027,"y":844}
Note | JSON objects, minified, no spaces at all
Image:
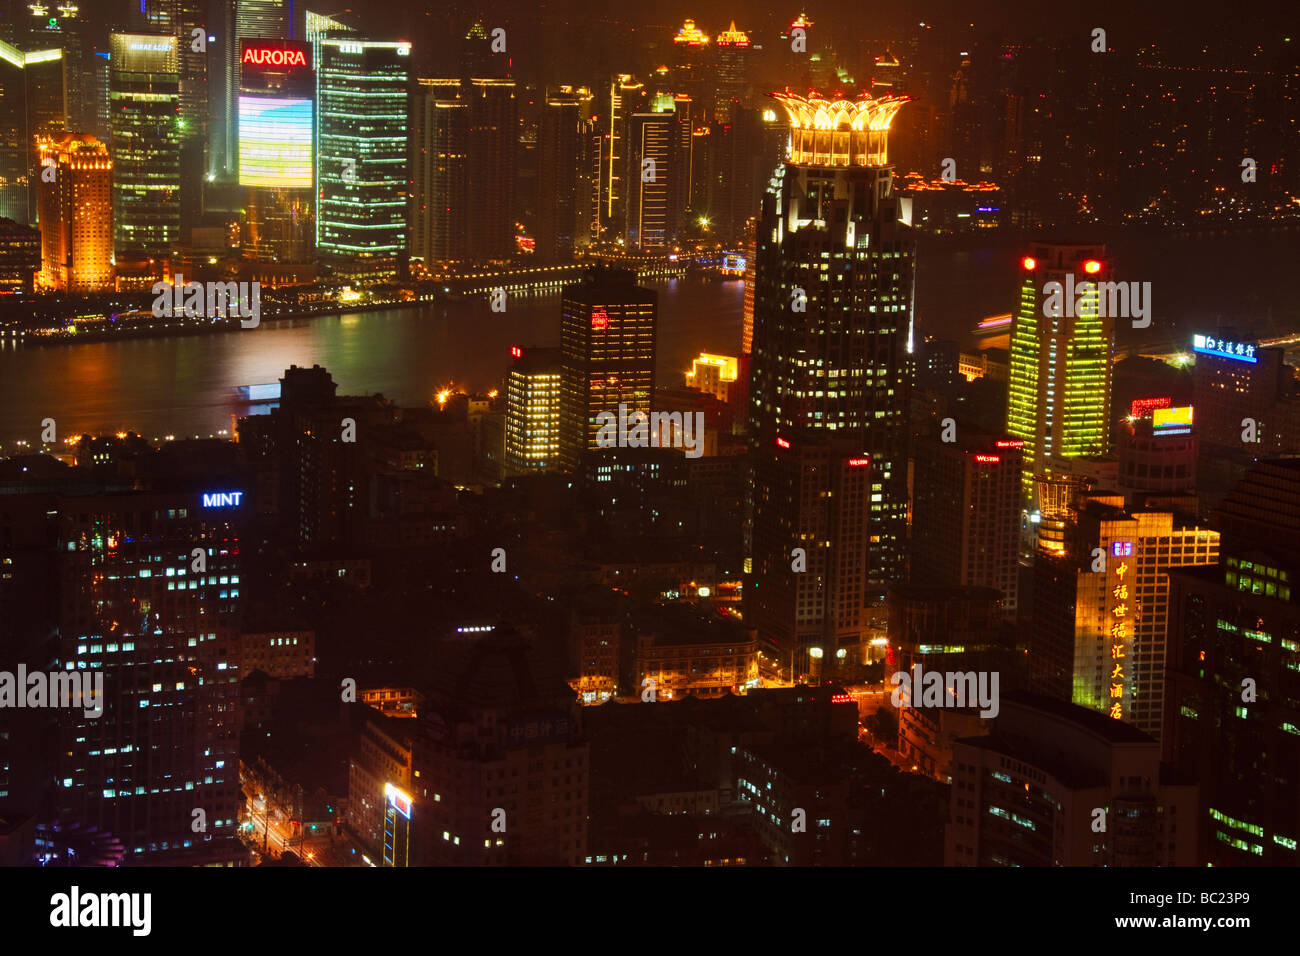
{"x":533,"y":411}
{"x":440,"y":153}
{"x":692,"y":65}
{"x":144,"y":100}
{"x":248,"y":20}
{"x":31,"y":105}
{"x":363,"y":100}
{"x":732,"y":77}
{"x":1058,"y":396}
{"x":626,"y":95}
{"x":966,"y":513}
{"x":828,"y":399}
{"x":491,"y":172}
{"x":181,"y":19}
{"x":76,"y":210}
{"x":122,"y":598}
{"x":466,"y":140}
{"x":751,"y":263}
{"x":1102,"y":606}
{"x":649,"y":175}
{"x":276,"y":170}
{"x":607,"y":346}
{"x":565,"y":190}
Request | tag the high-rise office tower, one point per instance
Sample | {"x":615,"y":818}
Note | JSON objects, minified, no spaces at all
{"x":187,"y":20}
{"x":751,"y":265}
{"x":731,"y":81}
{"x":738,"y":164}
{"x":688,"y":160}
{"x":626,"y":96}
{"x":490,"y":173}
{"x":1238,"y":378}
{"x":533,"y":411}
{"x":1238,"y":621}
{"x":649,"y":149}
{"x":966,"y":513}
{"x":31,"y":105}
{"x":439,"y":173}
{"x":1058,"y":393}
{"x":693,"y":65}
{"x":276,"y":171}
{"x":1235,"y":622}
{"x":363,"y":103}
{"x":1025,"y":793}
{"x":317,"y":27}
{"x":247,"y":20}
{"x":122,"y":595}
{"x":607,"y":346}
{"x":828,"y":382}
{"x":76,"y":211}
{"x":564,"y":190}
{"x":144,"y":94}
{"x":465,"y":161}
{"x":1108,"y":597}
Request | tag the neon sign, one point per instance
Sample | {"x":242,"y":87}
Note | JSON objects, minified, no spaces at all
{"x":1119,"y":632}
{"x":222,"y":499}
{"x":1142,"y":407}
{"x":260,"y":56}
{"x":599,"y":319}
{"x":859,"y":462}
{"x":1122,"y":549}
{"x":1209,"y":345}
{"x":398,"y":799}
{"x":987,"y":459}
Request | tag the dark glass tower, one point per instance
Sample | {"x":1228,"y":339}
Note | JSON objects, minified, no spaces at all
{"x":828,"y":403}
{"x":607,"y":348}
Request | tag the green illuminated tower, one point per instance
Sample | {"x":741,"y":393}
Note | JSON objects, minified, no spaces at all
{"x":1058,"y":396}
{"x":363,"y":92}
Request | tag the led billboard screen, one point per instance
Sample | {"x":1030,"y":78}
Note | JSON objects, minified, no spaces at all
{"x":275,"y":142}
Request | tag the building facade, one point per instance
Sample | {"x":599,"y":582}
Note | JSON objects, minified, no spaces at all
{"x":363,"y":101}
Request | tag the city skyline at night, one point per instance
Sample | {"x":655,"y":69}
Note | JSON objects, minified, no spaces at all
{"x":708,"y":435}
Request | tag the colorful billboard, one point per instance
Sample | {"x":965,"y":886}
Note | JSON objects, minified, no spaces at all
{"x":1172,"y":421}
{"x":275,"y":142}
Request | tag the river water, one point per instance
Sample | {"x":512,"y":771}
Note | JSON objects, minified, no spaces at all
{"x":185,"y":386}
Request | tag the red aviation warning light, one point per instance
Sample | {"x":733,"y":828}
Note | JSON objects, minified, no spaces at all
{"x":1030,"y":263}
{"x":1092,"y":267}
{"x":516,"y":352}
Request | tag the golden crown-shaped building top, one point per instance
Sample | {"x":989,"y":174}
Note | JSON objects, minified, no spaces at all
{"x":838,"y":132}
